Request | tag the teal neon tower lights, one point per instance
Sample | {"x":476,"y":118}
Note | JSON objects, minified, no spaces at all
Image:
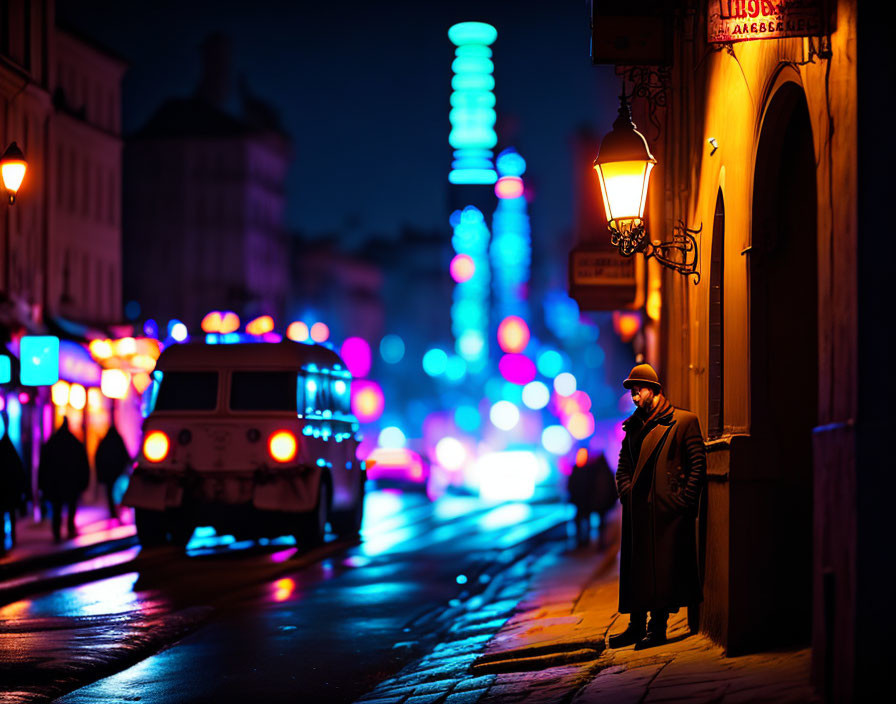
{"x":469,"y":311}
{"x":511,"y":246}
{"x":472,"y":113}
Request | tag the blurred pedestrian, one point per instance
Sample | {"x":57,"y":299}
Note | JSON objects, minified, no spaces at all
{"x":62,"y":475}
{"x":660,"y":476}
{"x":13,"y":488}
{"x":581,"y":488}
{"x":604,"y":496}
{"x":111,"y":460}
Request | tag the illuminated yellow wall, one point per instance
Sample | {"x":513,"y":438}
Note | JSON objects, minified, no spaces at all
{"x":736,"y":92}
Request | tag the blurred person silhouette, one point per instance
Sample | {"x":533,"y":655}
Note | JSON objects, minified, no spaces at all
{"x":62,"y":475}
{"x":111,"y":461}
{"x":604,"y":496}
{"x":14,"y":487}
{"x":581,"y":488}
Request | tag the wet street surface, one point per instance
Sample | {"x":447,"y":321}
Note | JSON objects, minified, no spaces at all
{"x":269,"y":622}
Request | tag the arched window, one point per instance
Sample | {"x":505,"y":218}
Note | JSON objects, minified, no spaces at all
{"x":716,"y":319}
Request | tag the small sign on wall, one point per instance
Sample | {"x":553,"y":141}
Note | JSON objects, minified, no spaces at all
{"x":745,"y":20}
{"x":602,"y":279}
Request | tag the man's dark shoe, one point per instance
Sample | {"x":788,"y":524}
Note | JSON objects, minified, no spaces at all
{"x":632,"y":634}
{"x":651,"y":640}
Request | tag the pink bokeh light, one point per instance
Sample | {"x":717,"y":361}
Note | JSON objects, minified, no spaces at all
{"x":367,"y":400}
{"x":517,"y":368}
{"x":462,"y":268}
{"x":355,"y":352}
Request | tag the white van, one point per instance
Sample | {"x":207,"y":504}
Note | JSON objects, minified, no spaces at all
{"x":252,"y":439}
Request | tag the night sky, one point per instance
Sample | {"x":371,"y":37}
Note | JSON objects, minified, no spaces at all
{"x":363,"y":89}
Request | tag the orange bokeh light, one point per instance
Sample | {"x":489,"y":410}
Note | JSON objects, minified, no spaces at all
{"x":297,"y":331}
{"x":513,"y":334}
{"x":626,"y":324}
{"x":320,"y":332}
{"x":260,"y":325}
{"x":509,"y":187}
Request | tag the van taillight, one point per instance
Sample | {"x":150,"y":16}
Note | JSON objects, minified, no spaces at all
{"x":155,"y":446}
{"x":282,"y":446}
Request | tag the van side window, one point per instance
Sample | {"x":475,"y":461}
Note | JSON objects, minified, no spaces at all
{"x":188,"y":391}
{"x":264,"y":391}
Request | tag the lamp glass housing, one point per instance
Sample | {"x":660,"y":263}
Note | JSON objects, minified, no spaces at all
{"x":13,"y":175}
{"x":623,"y":185}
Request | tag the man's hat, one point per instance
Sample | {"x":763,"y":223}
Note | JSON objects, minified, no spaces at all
{"x":642,"y":375}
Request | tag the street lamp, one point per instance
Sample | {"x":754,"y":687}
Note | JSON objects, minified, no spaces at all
{"x":623,"y":166}
{"x":13,"y":167}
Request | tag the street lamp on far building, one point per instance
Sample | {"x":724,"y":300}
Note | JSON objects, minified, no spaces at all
{"x":623,"y":167}
{"x":13,"y":167}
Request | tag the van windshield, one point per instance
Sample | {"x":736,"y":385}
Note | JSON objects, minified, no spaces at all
{"x":188,"y":391}
{"x":264,"y":391}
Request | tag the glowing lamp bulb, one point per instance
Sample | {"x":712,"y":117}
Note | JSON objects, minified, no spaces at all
{"x":155,"y":446}
{"x":623,"y":168}
{"x":282,"y":446}
{"x":13,"y":167}
{"x":320,"y":332}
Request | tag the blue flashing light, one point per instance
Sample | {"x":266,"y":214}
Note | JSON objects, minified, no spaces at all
{"x":5,"y":369}
{"x":321,"y":462}
{"x":340,"y":387}
{"x":39,"y":357}
{"x":307,"y":430}
{"x":348,"y":465}
{"x":211,"y":338}
{"x":461,"y":579}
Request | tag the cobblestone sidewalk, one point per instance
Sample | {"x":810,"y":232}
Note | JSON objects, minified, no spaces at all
{"x":537,"y":635}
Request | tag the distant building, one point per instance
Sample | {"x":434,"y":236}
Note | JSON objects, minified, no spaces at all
{"x":341,"y":290}
{"x":60,"y":244}
{"x":204,"y":202}
{"x":84,"y":187}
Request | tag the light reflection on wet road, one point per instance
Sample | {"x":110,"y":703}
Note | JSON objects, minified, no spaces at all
{"x":323,"y":631}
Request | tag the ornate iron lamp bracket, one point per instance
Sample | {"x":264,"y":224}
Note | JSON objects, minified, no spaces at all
{"x":679,"y":254}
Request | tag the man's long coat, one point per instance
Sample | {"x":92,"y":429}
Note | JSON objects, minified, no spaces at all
{"x":661,"y":472}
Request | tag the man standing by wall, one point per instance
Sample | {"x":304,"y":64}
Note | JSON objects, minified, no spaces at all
{"x":661,"y":472}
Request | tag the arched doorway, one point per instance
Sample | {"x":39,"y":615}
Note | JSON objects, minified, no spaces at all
{"x":783,"y":370}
